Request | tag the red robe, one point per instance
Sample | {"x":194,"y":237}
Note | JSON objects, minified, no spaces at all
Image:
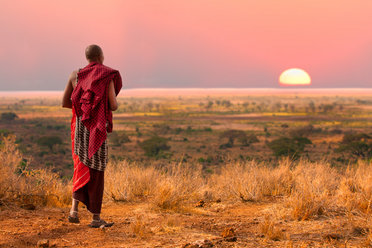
{"x":90,"y":100}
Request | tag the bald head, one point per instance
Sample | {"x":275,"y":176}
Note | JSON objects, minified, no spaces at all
{"x":94,"y":53}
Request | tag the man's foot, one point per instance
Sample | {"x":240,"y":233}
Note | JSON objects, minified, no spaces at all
{"x":73,"y":217}
{"x":100,"y":223}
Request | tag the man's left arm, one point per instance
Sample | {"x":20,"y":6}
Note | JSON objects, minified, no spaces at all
{"x":66,"y":100}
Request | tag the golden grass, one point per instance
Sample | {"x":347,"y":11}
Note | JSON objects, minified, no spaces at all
{"x":305,"y":190}
{"x":25,"y":186}
{"x":355,"y":190}
{"x":170,"y":187}
{"x":251,"y":181}
{"x":270,"y":229}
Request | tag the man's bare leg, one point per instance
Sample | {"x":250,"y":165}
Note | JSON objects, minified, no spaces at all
{"x":98,"y":222}
{"x":96,"y":216}
{"x":74,"y":208}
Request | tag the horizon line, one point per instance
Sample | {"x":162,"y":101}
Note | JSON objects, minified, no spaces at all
{"x":219,"y":88}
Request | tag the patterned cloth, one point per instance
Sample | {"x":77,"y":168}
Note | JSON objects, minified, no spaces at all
{"x":81,"y":171}
{"x":99,"y":160}
{"x":90,"y":100}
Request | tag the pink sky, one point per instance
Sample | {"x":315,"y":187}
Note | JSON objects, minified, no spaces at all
{"x":190,"y":43}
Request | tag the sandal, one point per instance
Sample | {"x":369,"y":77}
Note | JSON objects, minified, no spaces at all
{"x":100,"y":223}
{"x":72,"y":219}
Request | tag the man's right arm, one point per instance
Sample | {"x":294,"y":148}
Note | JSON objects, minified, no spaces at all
{"x":113,"y":104}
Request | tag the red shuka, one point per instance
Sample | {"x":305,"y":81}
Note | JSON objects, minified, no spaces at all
{"x":90,"y":100}
{"x":81,"y":171}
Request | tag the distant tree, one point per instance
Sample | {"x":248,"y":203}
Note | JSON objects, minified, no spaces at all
{"x":119,"y":138}
{"x":209,"y":105}
{"x":8,"y":116}
{"x":312,"y":106}
{"x":245,"y":105}
{"x":358,"y":145}
{"x":291,"y":147}
{"x":302,"y":131}
{"x":161,"y":128}
{"x":239,"y":135}
{"x":226,"y":103}
{"x":154,"y":145}
{"x":49,"y":141}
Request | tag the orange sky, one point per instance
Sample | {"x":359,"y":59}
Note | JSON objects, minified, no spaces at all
{"x":191,"y":43}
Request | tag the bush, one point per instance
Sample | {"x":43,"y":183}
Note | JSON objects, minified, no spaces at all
{"x":8,"y":116}
{"x":154,"y":145}
{"x":22,"y":185}
{"x":119,"y":138}
{"x":239,"y":135}
{"x":304,"y":131}
{"x":161,"y":128}
{"x":4,"y":132}
{"x":49,"y":141}
{"x":285,"y":146}
{"x":358,"y":145}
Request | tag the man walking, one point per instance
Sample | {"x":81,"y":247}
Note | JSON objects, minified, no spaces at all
{"x":91,"y":94}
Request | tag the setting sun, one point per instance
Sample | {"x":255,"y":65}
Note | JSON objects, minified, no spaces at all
{"x":295,"y":76}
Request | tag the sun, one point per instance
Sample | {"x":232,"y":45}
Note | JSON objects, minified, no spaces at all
{"x":295,"y":76}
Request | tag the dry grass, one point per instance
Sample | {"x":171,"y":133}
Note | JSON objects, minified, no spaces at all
{"x":307,"y":190}
{"x":270,"y":229}
{"x":129,"y":182}
{"x":139,"y":227}
{"x":171,"y":187}
{"x":25,"y":186}
{"x":252,"y":181}
{"x":315,"y":186}
{"x":355,"y":190}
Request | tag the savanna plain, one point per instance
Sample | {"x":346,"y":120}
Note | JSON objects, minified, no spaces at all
{"x":196,"y":168}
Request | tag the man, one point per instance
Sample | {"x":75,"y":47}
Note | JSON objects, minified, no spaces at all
{"x":91,"y":94}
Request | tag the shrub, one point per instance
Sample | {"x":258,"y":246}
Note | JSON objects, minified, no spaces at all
{"x":49,"y":141}
{"x":154,"y":145}
{"x":285,"y":146}
{"x":22,"y":185}
{"x":161,"y":128}
{"x":241,"y":136}
{"x":119,"y":138}
{"x":4,"y":132}
{"x":304,"y":131}
{"x":358,"y":145}
{"x":8,"y":116}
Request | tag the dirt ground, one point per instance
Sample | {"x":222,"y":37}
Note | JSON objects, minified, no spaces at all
{"x":139,"y":225}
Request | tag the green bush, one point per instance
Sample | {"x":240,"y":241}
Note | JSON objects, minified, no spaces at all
{"x":239,"y":135}
{"x":4,"y":132}
{"x":285,"y":146}
{"x":119,"y":138}
{"x":154,"y":146}
{"x":8,"y":116}
{"x":358,"y":145}
{"x":49,"y":141}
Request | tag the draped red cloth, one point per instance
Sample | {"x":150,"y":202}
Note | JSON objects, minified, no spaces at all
{"x":90,"y":100}
{"x":81,"y":171}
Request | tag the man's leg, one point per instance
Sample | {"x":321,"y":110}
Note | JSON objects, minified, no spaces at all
{"x":73,"y":216}
{"x":74,"y":208}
